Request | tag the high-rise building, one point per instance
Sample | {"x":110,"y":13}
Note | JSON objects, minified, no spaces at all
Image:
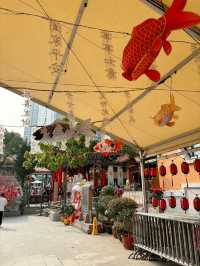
{"x":39,"y":116}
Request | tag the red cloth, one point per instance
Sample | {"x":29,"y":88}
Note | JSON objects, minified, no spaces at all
{"x":103,"y":179}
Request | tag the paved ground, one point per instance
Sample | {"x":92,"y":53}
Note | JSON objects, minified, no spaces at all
{"x":37,"y":241}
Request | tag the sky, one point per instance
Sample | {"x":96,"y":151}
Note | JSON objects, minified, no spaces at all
{"x":11,"y":110}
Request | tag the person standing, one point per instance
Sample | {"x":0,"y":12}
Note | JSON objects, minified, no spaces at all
{"x":3,"y":203}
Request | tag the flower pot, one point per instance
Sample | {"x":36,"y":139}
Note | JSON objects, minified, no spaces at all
{"x":127,"y":241}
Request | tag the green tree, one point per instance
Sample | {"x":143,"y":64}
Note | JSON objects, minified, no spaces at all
{"x":12,"y":143}
{"x":15,"y":146}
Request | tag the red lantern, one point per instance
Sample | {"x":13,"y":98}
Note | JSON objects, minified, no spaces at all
{"x":185,"y":168}
{"x":162,"y":170}
{"x":184,"y":203}
{"x":173,"y":169}
{"x":153,"y":171}
{"x":155,"y":202}
{"x":197,"y":165}
{"x":163,"y":204}
{"x":172,"y":202}
{"x":196,"y":203}
{"x":146,"y":172}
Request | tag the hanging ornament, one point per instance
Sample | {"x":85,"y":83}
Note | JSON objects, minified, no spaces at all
{"x":55,"y":47}
{"x":153,"y":171}
{"x":172,"y":202}
{"x":130,"y":110}
{"x":184,"y":203}
{"x":108,"y":60}
{"x":155,"y":202}
{"x":173,"y":171}
{"x":166,"y":116}
{"x":70,"y":105}
{"x":146,"y":172}
{"x":197,"y":165}
{"x":162,"y":170}
{"x":150,"y":36}
{"x":196,"y":203}
{"x":106,"y":147}
{"x":26,"y":117}
{"x":104,"y":108}
{"x":163,"y":204}
{"x":185,"y":170}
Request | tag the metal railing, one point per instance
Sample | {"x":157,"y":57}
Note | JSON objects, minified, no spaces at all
{"x":174,"y":238}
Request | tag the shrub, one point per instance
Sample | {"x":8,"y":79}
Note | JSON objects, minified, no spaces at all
{"x":108,"y":191}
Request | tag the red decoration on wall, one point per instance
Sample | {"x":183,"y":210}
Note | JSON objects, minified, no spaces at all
{"x":173,"y":168}
{"x":197,"y":165}
{"x":162,"y":170}
{"x":163,"y":204}
{"x":185,"y":168}
{"x":196,"y":203}
{"x":155,"y":202}
{"x":153,"y":171}
{"x":184,"y":203}
{"x":172,"y":202}
{"x":150,"y":36}
{"x":146,"y":172}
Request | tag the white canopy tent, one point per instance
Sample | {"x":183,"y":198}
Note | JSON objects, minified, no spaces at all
{"x":68,"y":55}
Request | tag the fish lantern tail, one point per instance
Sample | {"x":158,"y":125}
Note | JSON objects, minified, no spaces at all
{"x":176,"y":18}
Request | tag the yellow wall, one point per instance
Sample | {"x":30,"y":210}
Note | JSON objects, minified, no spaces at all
{"x":193,"y":176}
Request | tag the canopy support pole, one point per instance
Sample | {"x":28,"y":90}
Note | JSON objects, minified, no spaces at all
{"x":185,"y":61}
{"x":144,"y":195}
{"x":68,"y":47}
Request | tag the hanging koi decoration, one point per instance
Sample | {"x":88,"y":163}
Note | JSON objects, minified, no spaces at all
{"x":166,"y":116}
{"x":150,"y":36}
{"x":106,"y":147}
{"x":185,"y":170}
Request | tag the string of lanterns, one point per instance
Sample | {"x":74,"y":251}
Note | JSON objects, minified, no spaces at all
{"x":184,"y":201}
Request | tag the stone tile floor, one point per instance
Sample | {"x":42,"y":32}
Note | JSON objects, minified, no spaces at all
{"x":37,"y":241}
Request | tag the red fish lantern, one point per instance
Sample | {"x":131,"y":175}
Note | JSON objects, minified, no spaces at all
{"x":185,"y":168}
{"x":150,"y":36}
{"x":163,"y":204}
{"x":197,"y":165}
{"x":172,"y":202}
{"x":155,"y":202}
{"x":196,"y":203}
{"x":184,"y":203}
{"x":107,"y":147}
{"x":153,"y":171}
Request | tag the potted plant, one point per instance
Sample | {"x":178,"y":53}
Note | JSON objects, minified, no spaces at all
{"x":121,"y":211}
{"x":101,"y":209}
